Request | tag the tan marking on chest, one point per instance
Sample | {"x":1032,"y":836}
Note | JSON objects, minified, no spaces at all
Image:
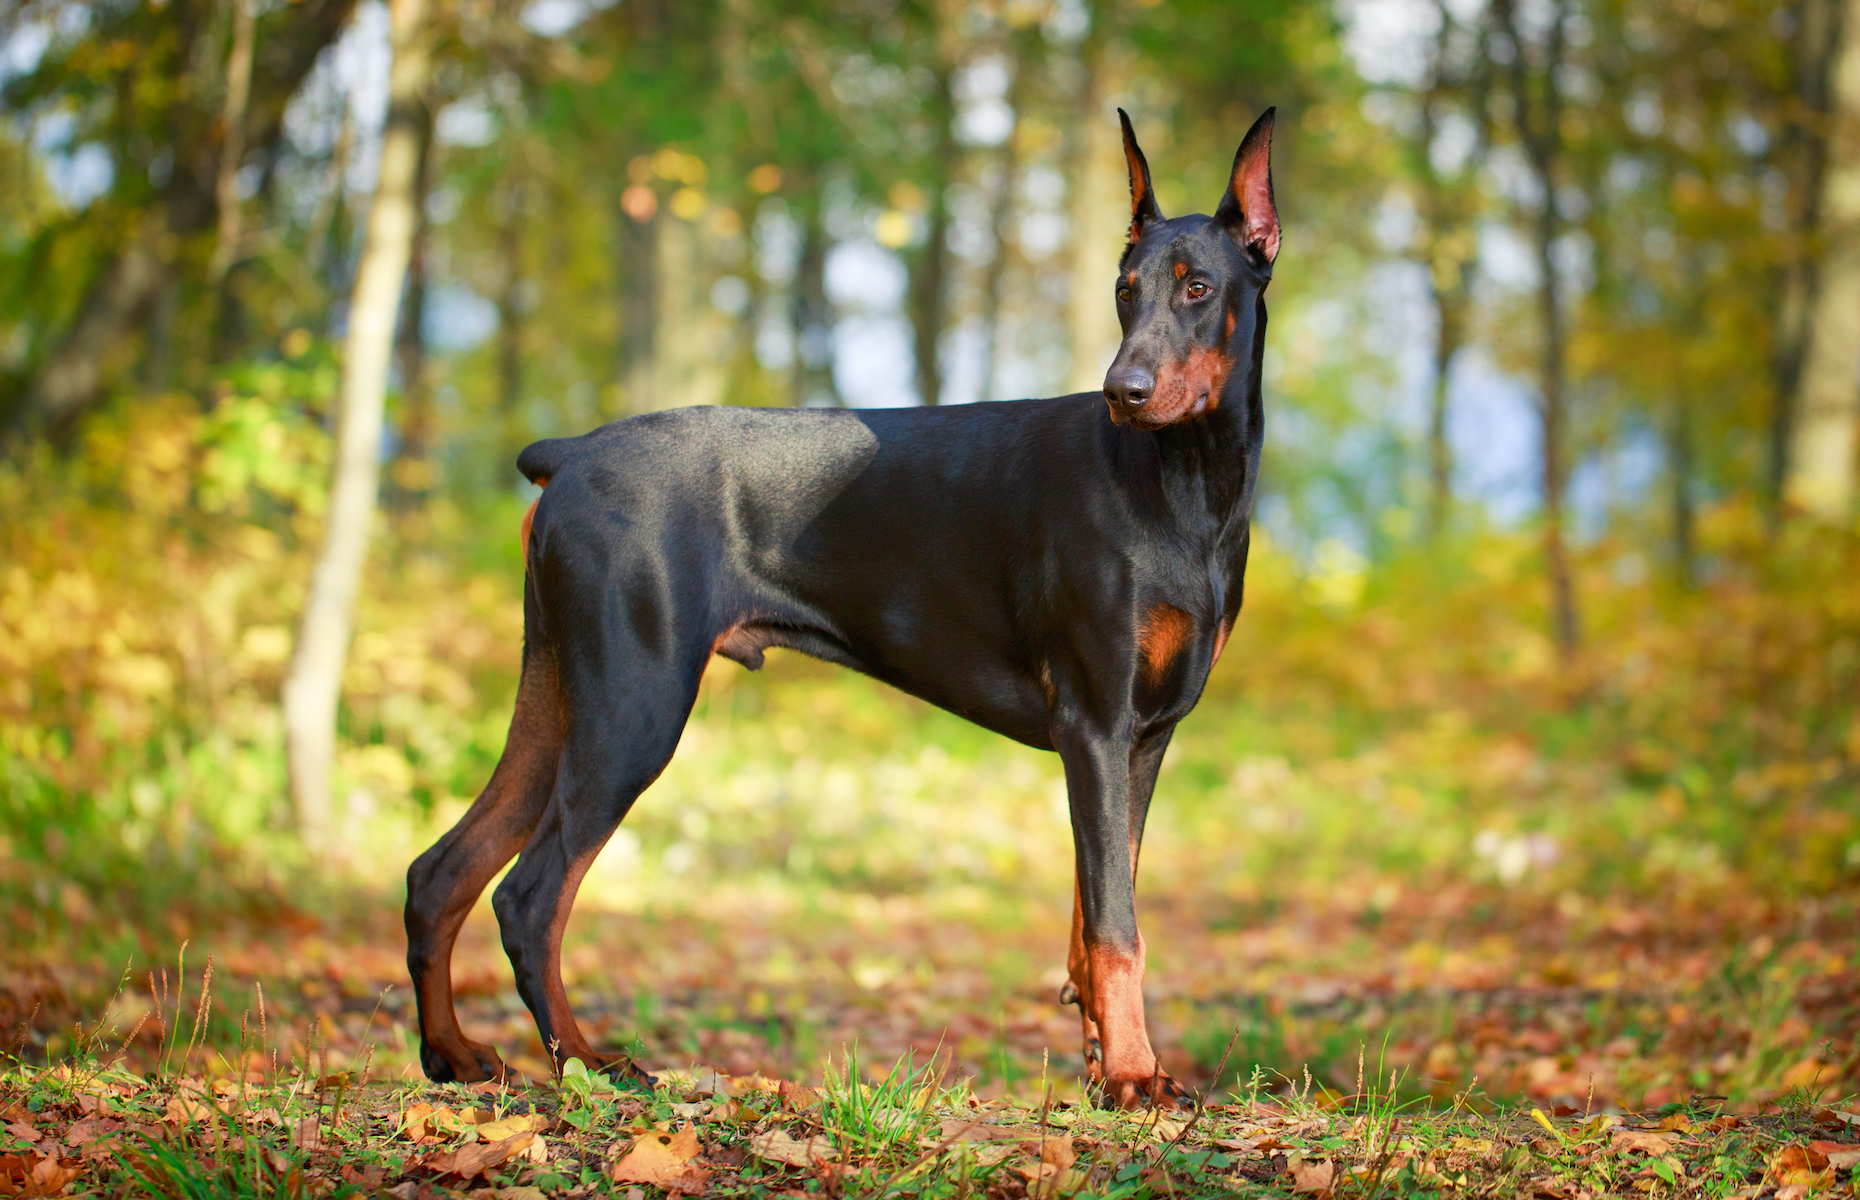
{"x":1161,"y":638}
{"x":529,"y":517}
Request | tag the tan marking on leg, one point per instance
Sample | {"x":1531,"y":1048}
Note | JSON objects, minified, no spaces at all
{"x":492,"y":832}
{"x":529,"y":516}
{"x":1162,"y":636}
{"x":1132,"y":1077}
{"x":1078,"y":969}
{"x":569,"y":1042}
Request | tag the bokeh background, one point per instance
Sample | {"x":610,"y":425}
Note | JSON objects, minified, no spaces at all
{"x":1531,"y":766}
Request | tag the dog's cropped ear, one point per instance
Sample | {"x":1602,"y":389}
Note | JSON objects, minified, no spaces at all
{"x":1246,"y":210}
{"x":1143,"y":208}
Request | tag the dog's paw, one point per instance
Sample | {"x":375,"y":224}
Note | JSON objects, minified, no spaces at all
{"x":476,"y":1064}
{"x":1158,"y":1091}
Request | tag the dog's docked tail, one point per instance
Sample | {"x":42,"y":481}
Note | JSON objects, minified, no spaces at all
{"x":541,"y":460}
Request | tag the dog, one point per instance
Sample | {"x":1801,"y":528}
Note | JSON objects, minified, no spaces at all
{"x":1064,"y":572}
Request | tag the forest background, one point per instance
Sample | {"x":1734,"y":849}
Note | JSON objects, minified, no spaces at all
{"x":1531,"y":767}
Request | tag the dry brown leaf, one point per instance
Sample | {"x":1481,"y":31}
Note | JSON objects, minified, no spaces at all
{"x":1318,"y":1178}
{"x":469,"y":1162}
{"x":307,"y":1133}
{"x":90,"y":1129}
{"x":1800,"y":1165}
{"x":953,"y":1131}
{"x":1631,"y":1141}
{"x":663,"y":1160}
{"x":1840,"y":1155}
{"x":187,"y":1106}
{"x":36,"y":1175}
{"x":777,"y":1146}
{"x":24,"y":1132}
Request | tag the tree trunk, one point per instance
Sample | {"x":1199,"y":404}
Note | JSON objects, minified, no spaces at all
{"x":1820,"y":475}
{"x":232,"y":149}
{"x":811,"y":319}
{"x":414,"y":474}
{"x":72,"y":378}
{"x":1100,"y":203}
{"x":1539,"y":125}
{"x":639,"y":339}
{"x":1680,"y":451}
{"x":1450,"y":251}
{"x":1804,"y":158}
{"x":510,"y":318}
{"x":929,"y":284}
{"x":1001,"y":218}
{"x":313,"y":687}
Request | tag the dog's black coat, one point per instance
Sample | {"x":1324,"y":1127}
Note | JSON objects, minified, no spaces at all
{"x":1061,"y":571}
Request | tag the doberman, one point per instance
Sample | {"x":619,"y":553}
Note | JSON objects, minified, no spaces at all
{"x":1064,"y":572}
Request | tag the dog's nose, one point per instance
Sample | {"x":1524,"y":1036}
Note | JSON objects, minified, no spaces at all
{"x":1132,"y":387}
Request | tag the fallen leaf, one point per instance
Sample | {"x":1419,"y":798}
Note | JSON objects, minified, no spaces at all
{"x":469,"y":1162}
{"x":185,"y":1107}
{"x":39,"y":1175}
{"x":1053,"y":1174}
{"x":664,"y":1160}
{"x":1630,"y":1141}
{"x":1677,"y":1122}
{"x":24,"y":1132}
{"x":1058,"y":1152}
{"x":90,"y":1129}
{"x":777,"y":1146}
{"x":497,"y":1131}
{"x":1840,"y":1155}
{"x":307,"y":1133}
{"x":1168,"y":1130}
{"x":975,"y":1131}
{"x":1317,"y":1178}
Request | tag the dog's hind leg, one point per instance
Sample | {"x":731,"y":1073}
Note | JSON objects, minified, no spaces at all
{"x":621,"y":734}
{"x":444,"y":883}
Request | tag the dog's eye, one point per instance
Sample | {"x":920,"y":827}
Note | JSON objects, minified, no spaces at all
{"x":1124,"y":294}
{"x":1197,"y":290}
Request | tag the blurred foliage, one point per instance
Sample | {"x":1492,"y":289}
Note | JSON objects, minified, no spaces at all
{"x":646,"y":203}
{"x":1404,"y":719}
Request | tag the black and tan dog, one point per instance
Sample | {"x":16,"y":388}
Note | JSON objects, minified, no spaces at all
{"x":1064,"y":572}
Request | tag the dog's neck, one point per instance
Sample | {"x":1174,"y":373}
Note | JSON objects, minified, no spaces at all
{"x":1205,"y":468}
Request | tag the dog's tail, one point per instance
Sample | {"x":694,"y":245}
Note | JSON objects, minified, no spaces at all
{"x":542,"y":460}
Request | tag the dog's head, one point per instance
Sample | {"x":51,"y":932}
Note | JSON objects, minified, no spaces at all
{"x":1190,"y":291}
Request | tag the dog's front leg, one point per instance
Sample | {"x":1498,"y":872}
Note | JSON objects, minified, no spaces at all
{"x":1106,"y":961}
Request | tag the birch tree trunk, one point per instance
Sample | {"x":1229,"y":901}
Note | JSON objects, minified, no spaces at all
{"x":313,"y":687}
{"x":1820,"y":476}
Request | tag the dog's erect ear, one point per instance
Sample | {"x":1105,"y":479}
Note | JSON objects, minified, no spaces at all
{"x":1143,"y":208}
{"x":1246,"y":210}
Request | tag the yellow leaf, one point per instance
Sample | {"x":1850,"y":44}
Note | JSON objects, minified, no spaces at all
{"x":663,"y":1160}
